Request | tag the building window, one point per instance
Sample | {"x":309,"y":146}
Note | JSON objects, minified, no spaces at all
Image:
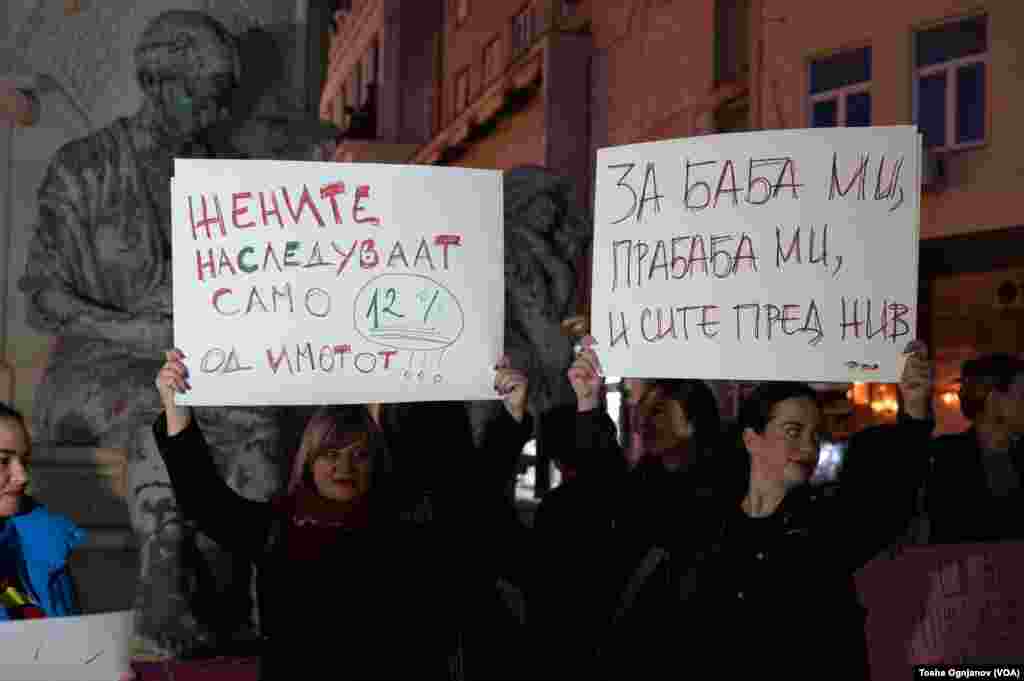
{"x":840,"y":92}
{"x":461,"y":11}
{"x":461,"y":91}
{"x":732,"y":40}
{"x":524,"y":30}
{"x":949,"y":87}
{"x":492,"y":60}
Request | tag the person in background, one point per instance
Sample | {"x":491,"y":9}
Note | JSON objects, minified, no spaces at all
{"x":679,"y":425}
{"x":754,"y":568}
{"x":975,"y":486}
{"x":390,"y":526}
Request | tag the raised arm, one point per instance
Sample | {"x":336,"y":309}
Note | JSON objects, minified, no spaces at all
{"x":227,"y":517}
{"x":596,"y":439}
{"x":885,"y":467}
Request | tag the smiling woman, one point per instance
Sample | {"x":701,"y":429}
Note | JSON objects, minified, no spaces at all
{"x":34,"y":543}
{"x":373,"y":523}
{"x":14,"y":458}
{"x":746,"y":556}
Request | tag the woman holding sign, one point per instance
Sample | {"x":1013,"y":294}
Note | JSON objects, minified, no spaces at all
{"x":357,"y":573}
{"x":754,"y":573}
{"x":675,"y":427}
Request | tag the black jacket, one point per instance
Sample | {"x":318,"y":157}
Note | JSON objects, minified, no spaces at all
{"x":389,"y":602}
{"x":713,"y":588}
{"x":959,"y":504}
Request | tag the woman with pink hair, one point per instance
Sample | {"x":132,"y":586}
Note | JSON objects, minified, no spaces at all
{"x":367,"y":562}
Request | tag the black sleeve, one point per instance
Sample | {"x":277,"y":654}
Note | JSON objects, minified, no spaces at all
{"x":490,"y":514}
{"x":230,"y":519}
{"x":597,"y":443}
{"x":884,"y":468}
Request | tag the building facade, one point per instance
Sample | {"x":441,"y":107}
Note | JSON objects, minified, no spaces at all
{"x":550,"y":81}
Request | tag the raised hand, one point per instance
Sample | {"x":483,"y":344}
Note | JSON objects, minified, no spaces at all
{"x":585,"y":376}
{"x":917,"y":381}
{"x":173,"y":378}
{"x":512,"y":385}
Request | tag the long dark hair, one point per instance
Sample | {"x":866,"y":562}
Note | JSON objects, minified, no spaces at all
{"x":757,"y":410}
{"x":701,"y":408}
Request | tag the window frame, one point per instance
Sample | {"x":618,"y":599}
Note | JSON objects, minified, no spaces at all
{"x":950,"y":70}
{"x":840,"y":93}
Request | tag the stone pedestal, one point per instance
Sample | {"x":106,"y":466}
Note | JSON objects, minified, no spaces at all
{"x":88,"y":486}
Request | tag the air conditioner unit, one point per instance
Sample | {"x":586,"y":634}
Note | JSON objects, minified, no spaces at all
{"x":933,"y":170}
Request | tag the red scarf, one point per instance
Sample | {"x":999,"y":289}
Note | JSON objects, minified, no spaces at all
{"x":315,"y":522}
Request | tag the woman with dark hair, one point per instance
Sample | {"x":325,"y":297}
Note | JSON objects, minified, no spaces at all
{"x":579,"y":567}
{"x":678,"y":422}
{"x":363,"y":564}
{"x":752,"y":570}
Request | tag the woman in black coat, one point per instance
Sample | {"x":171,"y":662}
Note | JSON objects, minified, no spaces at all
{"x":578,"y":572}
{"x":753,"y":572}
{"x":367,"y":565}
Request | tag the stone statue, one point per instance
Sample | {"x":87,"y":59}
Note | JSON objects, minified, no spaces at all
{"x":546,"y":232}
{"x":99,"y":279}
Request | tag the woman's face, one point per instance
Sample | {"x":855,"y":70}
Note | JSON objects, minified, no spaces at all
{"x":13,"y":466}
{"x":342,"y":473}
{"x":787,"y":451}
{"x":668,"y":432}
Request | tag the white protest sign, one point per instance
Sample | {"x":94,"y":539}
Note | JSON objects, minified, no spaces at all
{"x":777,"y":255}
{"x":86,"y":648}
{"x":318,"y":283}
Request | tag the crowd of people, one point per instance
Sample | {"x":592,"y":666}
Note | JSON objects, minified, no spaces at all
{"x":693,"y":545}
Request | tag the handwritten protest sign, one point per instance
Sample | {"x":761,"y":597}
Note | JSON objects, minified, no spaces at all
{"x":785,"y":254}
{"x":87,"y":648}
{"x":315,"y":283}
{"x":960,"y":603}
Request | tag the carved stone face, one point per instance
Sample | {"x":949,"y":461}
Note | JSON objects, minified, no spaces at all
{"x":187,"y":66}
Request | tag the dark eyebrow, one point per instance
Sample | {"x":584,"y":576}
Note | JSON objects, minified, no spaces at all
{"x":11,"y":452}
